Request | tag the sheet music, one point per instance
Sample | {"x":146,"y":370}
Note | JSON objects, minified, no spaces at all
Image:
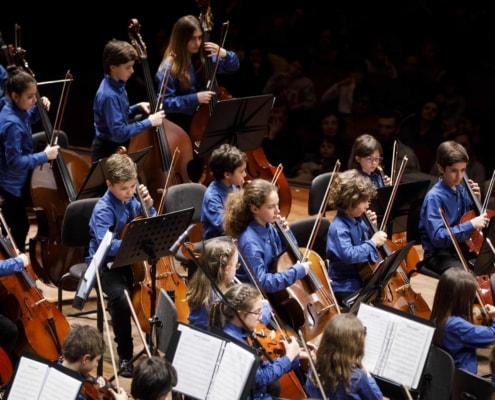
{"x":210,"y":367}
{"x":194,"y":378}
{"x":232,"y":373}
{"x":396,"y":346}
{"x":38,"y":380}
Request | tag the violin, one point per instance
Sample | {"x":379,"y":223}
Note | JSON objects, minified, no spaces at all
{"x":96,"y":388}
{"x":476,"y":238}
{"x":484,"y":292}
{"x":271,"y":341}
{"x":163,"y":138}
{"x":45,"y":327}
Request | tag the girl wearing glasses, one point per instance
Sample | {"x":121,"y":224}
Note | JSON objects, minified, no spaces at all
{"x":238,"y":316}
{"x":367,"y":157}
{"x":221,"y":260}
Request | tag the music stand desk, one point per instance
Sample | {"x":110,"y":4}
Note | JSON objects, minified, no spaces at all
{"x":94,"y":183}
{"x":240,"y":122}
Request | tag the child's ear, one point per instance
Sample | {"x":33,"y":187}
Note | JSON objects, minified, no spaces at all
{"x":109,"y":184}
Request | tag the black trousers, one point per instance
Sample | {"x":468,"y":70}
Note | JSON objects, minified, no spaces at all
{"x":114,"y":282}
{"x":16,"y":217}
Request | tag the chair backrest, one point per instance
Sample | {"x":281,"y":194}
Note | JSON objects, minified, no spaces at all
{"x":40,"y":140}
{"x":438,"y":375}
{"x":302,"y":229}
{"x":166,"y":313}
{"x":185,"y":195}
{"x":469,"y":386}
{"x":317,"y":191}
{"x":75,"y":229}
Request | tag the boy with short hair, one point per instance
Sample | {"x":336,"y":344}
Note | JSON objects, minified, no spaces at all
{"x":116,"y":208}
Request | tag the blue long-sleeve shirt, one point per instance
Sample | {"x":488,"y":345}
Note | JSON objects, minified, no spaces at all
{"x":455,"y":203}
{"x":363,"y":387}
{"x":111,"y":111}
{"x":461,"y":338}
{"x":11,"y":266}
{"x":186,"y":102}
{"x":267,"y":372}
{"x":260,"y":246}
{"x":111,"y":213}
{"x":348,"y":246}
{"x":212,"y":208}
{"x":16,"y":147}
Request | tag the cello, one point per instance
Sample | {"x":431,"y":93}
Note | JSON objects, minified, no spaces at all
{"x":309,"y":303}
{"x":52,"y":187}
{"x":44,"y":326}
{"x":397,"y":293}
{"x":163,"y":138}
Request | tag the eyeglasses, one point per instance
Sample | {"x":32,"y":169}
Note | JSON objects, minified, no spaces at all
{"x":374,"y":159}
{"x":257,"y":312}
{"x":236,"y":266}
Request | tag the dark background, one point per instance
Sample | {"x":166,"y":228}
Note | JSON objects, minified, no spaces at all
{"x":58,"y":40}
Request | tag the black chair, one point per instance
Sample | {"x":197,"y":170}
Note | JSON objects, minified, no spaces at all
{"x":302,"y":230}
{"x":438,"y":375}
{"x":179,"y":197}
{"x":317,"y":191}
{"x":469,"y":386}
{"x":75,"y":233}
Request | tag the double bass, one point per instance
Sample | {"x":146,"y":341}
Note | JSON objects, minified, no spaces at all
{"x":258,"y":166}
{"x":164,"y":139}
{"x":52,"y":187}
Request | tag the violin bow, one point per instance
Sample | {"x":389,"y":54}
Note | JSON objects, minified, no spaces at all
{"x":136,"y":322}
{"x":313,"y":366}
{"x":107,"y":330}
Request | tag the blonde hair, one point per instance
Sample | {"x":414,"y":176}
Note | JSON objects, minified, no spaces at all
{"x":217,"y":254}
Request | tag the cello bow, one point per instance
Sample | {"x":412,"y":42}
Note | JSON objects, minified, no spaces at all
{"x":395,"y":187}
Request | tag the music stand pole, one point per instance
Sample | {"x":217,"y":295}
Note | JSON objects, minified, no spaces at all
{"x":148,"y":239}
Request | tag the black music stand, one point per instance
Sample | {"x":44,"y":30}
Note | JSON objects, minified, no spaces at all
{"x":407,"y":193}
{"x":149,"y":239}
{"x":485,"y":261}
{"x":240,"y":122}
{"x":94,"y":183}
{"x":380,"y":277}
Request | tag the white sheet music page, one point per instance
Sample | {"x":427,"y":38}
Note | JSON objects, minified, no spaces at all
{"x":196,"y":360}
{"x":396,"y":347}
{"x":232,"y":373}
